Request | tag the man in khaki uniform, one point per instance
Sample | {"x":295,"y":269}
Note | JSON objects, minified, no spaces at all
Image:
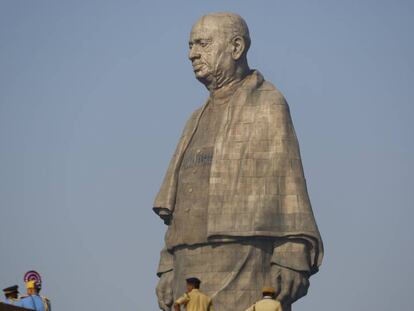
{"x":268,"y":303}
{"x":193,"y":299}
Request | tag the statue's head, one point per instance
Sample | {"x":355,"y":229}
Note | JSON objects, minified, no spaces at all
{"x":218,"y":49}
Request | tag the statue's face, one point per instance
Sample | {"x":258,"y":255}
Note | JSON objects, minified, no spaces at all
{"x":210,"y":50}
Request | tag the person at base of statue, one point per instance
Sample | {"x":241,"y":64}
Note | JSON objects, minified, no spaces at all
{"x":268,"y":303}
{"x":193,"y":299}
{"x":33,"y":300}
{"x":12,"y":294}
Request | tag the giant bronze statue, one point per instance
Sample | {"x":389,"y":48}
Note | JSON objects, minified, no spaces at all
{"x":234,"y":196}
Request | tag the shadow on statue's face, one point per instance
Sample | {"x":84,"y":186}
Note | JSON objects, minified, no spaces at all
{"x":210,"y":51}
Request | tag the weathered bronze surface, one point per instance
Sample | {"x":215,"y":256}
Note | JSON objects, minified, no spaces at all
{"x":234,"y":196}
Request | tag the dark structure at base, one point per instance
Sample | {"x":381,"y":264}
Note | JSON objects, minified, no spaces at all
{"x":6,"y":307}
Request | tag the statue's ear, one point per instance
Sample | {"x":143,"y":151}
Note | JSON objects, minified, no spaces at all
{"x":239,"y":46}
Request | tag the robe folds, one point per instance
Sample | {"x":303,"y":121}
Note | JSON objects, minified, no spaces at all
{"x":257,"y":186}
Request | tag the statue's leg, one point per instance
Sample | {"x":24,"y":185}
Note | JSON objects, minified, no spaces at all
{"x":233,"y":274}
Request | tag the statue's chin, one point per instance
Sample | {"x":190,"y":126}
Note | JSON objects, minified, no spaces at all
{"x":205,"y":79}
{"x":200,"y":74}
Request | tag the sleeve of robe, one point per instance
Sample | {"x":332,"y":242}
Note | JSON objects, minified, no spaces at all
{"x":165,"y":200}
{"x":292,"y":255}
{"x":296,"y":253}
{"x":265,"y":193}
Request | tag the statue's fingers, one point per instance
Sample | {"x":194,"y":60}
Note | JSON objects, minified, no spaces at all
{"x":162,"y":305}
{"x":302,"y":289}
{"x":161,"y":299}
{"x":286,"y":288}
{"x":296,"y":288}
{"x":276,"y":276}
{"x":305,"y":284}
{"x":168,"y":297}
{"x":278,"y":289}
{"x":160,"y":293}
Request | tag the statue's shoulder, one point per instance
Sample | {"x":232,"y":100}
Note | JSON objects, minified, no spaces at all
{"x":267,"y":86}
{"x":269,"y":94}
{"x":256,"y":83}
{"x":197,"y":112}
{"x":192,"y":120}
{"x":194,"y":115}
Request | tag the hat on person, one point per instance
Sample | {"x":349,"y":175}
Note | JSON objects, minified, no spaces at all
{"x":11,"y":290}
{"x":268,"y":290}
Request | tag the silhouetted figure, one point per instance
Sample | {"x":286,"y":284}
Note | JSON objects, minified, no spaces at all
{"x":12,"y":294}
{"x":33,"y":300}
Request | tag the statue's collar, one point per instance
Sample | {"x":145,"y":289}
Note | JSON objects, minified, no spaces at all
{"x":252,"y":80}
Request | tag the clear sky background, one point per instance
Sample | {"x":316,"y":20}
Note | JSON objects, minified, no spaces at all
{"x":94,"y":95}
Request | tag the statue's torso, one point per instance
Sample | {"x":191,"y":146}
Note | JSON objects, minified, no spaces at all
{"x":189,"y":223}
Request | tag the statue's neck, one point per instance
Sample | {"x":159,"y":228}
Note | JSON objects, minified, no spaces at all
{"x":227,"y":90}
{"x":226,"y":80}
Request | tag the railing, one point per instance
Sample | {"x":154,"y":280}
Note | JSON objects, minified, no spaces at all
{"x":6,"y":307}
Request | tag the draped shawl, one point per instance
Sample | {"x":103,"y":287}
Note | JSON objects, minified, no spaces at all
{"x":257,"y":185}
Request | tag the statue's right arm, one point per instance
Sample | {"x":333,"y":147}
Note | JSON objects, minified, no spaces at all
{"x":165,"y":199}
{"x":166,"y":274}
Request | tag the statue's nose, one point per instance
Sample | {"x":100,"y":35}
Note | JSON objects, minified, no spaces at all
{"x":193,"y":53}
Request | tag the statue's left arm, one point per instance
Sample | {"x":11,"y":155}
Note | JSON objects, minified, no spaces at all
{"x":290,"y":270}
{"x":297,"y":255}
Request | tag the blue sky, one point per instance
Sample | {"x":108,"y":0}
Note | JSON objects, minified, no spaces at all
{"x":94,"y":95}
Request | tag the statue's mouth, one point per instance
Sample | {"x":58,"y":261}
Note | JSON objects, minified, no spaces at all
{"x":197,"y":66}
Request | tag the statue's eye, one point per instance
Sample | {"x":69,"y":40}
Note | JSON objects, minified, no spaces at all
{"x":203,"y":44}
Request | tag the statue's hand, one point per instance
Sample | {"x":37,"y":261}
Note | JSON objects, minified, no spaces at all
{"x":290,"y":284}
{"x":164,"y":291}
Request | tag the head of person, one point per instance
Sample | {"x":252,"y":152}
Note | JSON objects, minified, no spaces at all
{"x":192,"y":283}
{"x":268,"y":292}
{"x":33,"y":287}
{"x":11,"y":292}
{"x":218,"y":48}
